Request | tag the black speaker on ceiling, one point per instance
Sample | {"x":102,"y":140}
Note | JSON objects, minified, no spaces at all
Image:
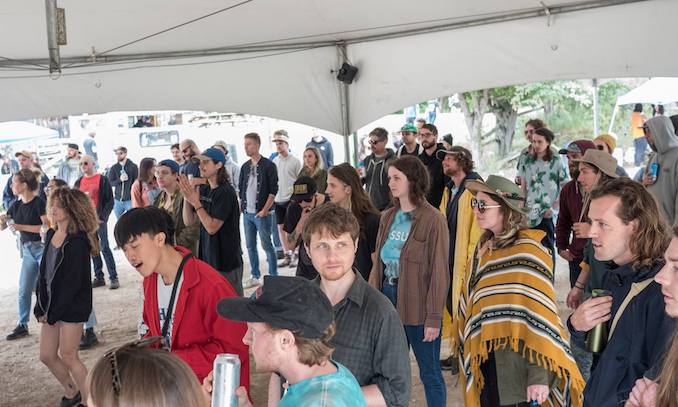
{"x":346,"y":73}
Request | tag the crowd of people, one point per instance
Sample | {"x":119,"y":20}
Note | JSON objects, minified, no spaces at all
{"x":411,"y":247}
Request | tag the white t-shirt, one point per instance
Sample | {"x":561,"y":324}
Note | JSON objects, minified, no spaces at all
{"x":288,"y":171}
{"x":164,"y":295}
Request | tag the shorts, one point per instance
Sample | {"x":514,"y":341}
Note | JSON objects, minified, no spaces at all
{"x":280,"y":212}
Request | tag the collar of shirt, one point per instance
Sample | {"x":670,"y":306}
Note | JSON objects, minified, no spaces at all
{"x":356,"y":293}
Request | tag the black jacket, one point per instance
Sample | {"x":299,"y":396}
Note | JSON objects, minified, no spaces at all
{"x":123,"y":189}
{"x":638,"y":342}
{"x":71,"y":290}
{"x":376,"y":179}
{"x":267,"y":182}
{"x":105,"y":203}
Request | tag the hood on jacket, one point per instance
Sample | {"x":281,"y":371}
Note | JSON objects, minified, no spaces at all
{"x":662,"y":133}
{"x":389,"y":154}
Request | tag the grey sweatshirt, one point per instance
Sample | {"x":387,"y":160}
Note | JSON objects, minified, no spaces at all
{"x":665,"y":148}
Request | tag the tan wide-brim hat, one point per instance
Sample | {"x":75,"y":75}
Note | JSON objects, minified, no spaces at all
{"x":502,"y":188}
{"x":601,"y":160}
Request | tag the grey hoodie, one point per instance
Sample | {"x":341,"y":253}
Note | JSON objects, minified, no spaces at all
{"x":376,"y":179}
{"x":665,"y":147}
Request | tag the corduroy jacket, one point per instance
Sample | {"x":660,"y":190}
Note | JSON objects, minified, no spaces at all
{"x":424,"y":274}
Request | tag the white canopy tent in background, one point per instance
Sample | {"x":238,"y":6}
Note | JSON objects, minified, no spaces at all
{"x":12,"y":132}
{"x":275,"y":58}
{"x":657,"y":91}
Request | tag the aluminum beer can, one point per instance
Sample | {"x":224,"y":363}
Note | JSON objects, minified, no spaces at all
{"x":226,"y":380}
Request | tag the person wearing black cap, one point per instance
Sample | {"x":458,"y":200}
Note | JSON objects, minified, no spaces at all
{"x":171,"y":200}
{"x":289,"y":328}
{"x":69,"y":170}
{"x":215,"y":207}
{"x":305,"y":199}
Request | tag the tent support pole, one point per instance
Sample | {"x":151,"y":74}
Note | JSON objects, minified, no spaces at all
{"x":345,"y":119}
{"x":596,"y":110}
{"x":614,"y":115}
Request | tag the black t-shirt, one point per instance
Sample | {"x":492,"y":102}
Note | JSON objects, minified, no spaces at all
{"x":366,"y":245}
{"x":222,"y":249}
{"x":28,"y":214}
{"x":438,"y":179}
{"x":305,"y":266}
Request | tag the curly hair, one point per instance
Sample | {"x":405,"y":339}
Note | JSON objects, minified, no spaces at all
{"x":650,"y":237}
{"x":417,"y":175}
{"x":82,"y":216}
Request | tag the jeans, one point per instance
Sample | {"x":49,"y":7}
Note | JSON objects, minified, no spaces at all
{"x":254,"y":225}
{"x":30,"y":266}
{"x":120,"y":207}
{"x":92,"y":320}
{"x":431,"y":117}
{"x":640,"y":146}
{"x":550,"y":241}
{"x":108,"y":255}
{"x":274,"y":232}
{"x":427,"y":355}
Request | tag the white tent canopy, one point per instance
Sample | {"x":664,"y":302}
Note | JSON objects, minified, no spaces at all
{"x":274,"y":58}
{"x":12,"y":132}
{"x":657,"y":91}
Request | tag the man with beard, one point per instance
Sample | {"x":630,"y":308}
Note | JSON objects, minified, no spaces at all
{"x":122,"y":175}
{"x":663,"y":183}
{"x":464,"y":231}
{"x":410,"y":145}
{"x":190,"y":168}
{"x":428,"y":135}
{"x":69,"y":170}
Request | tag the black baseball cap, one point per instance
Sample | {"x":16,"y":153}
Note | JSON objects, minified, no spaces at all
{"x":304,"y":189}
{"x":292,"y":303}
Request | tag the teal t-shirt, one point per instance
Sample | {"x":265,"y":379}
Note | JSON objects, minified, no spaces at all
{"x":339,"y":389}
{"x":397,"y":236}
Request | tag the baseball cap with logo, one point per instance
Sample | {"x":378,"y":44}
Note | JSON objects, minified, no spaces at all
{"x":304,"y":189}
{"x":577,"y":146}
{"x":292,"y":303}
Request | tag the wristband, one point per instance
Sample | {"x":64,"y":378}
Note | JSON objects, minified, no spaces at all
{"x":581,"y":287}
{"x":197,"y":209}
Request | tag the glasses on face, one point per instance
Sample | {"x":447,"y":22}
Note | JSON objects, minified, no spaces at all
{"x":481,"y":205}
{"x":112,"y":357}
{"x":186,"y":150}
{"x":84,"y":164}
{"x":426,"y":134}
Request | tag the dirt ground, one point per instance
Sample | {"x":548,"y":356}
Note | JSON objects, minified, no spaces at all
{"x":26,"y":382}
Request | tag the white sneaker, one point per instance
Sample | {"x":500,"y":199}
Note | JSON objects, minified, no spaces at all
{"x":252,"y":282}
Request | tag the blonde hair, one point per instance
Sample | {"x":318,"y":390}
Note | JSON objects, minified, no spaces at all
{"x":513,"y":223}
{"x":82,"y":216}
{"x":148,"y":378}
{"x":319,"y":163}
{"x":313,"y":351}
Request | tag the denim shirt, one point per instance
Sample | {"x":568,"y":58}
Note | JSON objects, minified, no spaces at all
{"x":267,"y":182}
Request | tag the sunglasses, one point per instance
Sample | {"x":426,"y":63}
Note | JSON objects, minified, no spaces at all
{"x":481,"y":205}
{"x":112,"y":357}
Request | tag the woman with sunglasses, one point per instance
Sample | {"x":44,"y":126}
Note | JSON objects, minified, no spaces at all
{"x":135,"y":375}
{"x":411,"y":268}
{"x":64,"y":291}
{"x":344,"y":188}
{"x":510,"y":339}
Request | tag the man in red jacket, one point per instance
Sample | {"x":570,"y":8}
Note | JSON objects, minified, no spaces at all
{"x":180,"y":294}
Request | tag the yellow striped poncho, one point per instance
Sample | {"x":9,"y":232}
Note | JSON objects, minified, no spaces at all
{"x":507,"y":297}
